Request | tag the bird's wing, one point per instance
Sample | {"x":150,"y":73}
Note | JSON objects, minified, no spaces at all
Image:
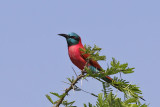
{"x":95,"y":64}
{"x":92,"y":62}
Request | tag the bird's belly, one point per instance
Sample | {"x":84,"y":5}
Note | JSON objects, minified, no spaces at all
{"x":76,"y":58}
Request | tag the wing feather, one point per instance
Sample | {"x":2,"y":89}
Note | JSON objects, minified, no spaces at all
{"x":91,"y":62}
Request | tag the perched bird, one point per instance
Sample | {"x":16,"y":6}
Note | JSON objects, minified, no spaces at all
{"x":78,"y":58}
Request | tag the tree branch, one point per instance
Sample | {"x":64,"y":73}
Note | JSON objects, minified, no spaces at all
{"x":68,"y":89}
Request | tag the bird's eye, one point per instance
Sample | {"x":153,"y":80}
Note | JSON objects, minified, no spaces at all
{"x":73,"y":37}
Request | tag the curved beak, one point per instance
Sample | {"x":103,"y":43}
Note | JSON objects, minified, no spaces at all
{"x":64,"y":35}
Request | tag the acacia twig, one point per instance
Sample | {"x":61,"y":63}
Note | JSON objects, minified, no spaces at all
{"x":68,"y":89}
{"x":72,"y":84}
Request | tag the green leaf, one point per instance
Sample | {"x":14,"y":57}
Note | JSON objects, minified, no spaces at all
{"x":116,"y":67}
{"x":131,"y":100}
{"x":56,"y":94}
{"x":93,"y":52}
{"x":68,"y":104}
{"x":49,"y":98}
{"x":85,"y":105}
{"x":71,"y":80}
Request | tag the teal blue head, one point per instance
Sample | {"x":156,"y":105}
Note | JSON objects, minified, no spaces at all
{"x":72,"y":38}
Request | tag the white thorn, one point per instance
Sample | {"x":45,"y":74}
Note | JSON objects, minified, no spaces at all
{"x":73,"y":89}
{"x":81,"y":82}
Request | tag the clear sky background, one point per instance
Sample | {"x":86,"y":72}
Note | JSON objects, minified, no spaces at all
{"x":34,"y":59}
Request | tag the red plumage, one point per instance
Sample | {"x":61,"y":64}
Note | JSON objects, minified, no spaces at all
{"x":79,"y":59}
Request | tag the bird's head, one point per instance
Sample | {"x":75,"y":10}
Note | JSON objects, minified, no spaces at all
{"x":72,"y":38}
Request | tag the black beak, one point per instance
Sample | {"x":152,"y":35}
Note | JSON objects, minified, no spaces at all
{"x":64,"y":35}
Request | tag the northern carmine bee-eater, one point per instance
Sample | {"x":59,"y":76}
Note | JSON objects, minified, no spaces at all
{"x":79,"y":59}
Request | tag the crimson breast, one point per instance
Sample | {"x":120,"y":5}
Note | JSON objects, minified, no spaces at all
{"x":75,"y":56}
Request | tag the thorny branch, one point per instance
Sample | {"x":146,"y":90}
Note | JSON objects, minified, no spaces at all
{"x":123,"y":85}
{"x":72,"y":85}
{"x":70,"y":88}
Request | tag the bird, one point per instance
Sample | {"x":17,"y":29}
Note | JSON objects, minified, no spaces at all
{"x":78,"y":58}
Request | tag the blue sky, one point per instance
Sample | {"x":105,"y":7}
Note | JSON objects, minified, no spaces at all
{"x":34,"y":60}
